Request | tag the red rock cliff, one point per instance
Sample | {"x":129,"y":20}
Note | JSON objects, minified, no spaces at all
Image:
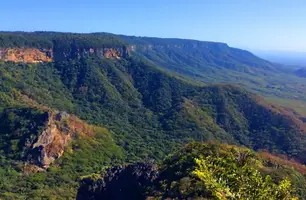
{"x":34,"y":55}
{"x":26,"y":55}
{"x":60,"y":129}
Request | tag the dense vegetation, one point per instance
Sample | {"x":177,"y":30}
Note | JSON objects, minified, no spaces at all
{"x":212,"y":62}
{"x":20,"y":179}
{"x":58,"y":40}
{"x":19,"y":126}
{"x":142,"y":104}
{"x":199,"y":171}
{"x":148,"y":112}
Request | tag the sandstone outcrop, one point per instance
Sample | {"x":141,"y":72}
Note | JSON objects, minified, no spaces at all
{"x":35,"y":55}
{"x":60,"y":129}
{"x":26,"y":55}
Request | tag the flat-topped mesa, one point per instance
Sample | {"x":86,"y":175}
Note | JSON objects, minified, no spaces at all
{"x":35,"y":55}
{"x":26,"y":55}
{"x":37,"y":47}
{"x":103,"y":52}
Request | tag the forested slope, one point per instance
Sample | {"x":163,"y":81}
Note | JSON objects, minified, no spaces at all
{"x":146,"y":112}
{"x":214,"y":62}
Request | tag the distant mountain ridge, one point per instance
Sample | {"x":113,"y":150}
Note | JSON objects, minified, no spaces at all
{"x":213,"y":62}
{"x":54,"y":47}
{"x":214,"y":54}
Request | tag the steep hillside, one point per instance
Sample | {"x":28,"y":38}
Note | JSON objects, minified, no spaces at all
{"x":44,"y":152}
{"x":44,"y":47}
{"x":147,"y":110}
{"x":199,"y":171}
{"x":144,"y":104}
{"x":196,"y":54}
{"x":39,"y":137}
{"x":212,"y":62}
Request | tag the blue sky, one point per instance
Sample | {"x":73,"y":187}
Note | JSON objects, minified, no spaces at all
{"x":251,"y":24}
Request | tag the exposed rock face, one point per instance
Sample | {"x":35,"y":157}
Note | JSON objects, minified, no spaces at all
{"x":113,"y":52}
{"x":26,"y":55}
{"x":120,"y":183}
{"x":76,"y":53}
{"x":132,"y":48}
{"x":34,"y":55}
{"x":50,"y":145}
